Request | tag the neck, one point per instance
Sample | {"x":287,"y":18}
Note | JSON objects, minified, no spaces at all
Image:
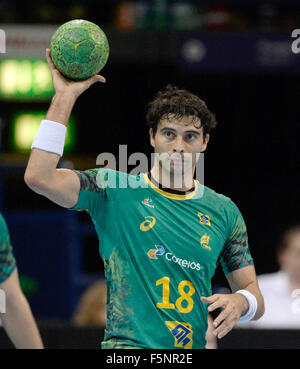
{"x":169,"y":180}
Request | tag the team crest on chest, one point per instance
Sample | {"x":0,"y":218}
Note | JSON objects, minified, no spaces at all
{"x":204,"y":219}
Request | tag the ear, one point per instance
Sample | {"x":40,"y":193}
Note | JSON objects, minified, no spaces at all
{"x":206,"y":140}
{"x":151,"y":137}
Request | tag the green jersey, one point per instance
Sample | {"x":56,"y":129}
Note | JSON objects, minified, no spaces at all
{"x":7,"y":260}
{"x":160,"y":251}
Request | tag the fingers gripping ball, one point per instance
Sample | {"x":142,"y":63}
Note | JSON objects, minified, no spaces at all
{"x":79,"y":49}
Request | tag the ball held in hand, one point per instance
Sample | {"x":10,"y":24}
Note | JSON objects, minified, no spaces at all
{"x":79,"y":49}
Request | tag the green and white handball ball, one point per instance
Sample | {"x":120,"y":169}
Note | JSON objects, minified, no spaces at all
{"x":79,"y":49}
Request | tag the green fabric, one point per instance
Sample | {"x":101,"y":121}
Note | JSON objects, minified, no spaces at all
{"x":7,"y":260}
{"x":160,"y":254}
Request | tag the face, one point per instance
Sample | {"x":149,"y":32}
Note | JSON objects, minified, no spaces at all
{"x":289,"y":259}
{"x":177,"y":141}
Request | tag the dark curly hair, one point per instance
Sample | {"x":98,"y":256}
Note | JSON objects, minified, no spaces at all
{"x":181,"y":103}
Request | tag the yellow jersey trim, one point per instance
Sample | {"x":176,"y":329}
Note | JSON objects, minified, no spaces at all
{"x":171,"y":195}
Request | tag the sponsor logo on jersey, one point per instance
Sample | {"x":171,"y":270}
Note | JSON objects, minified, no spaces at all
{"x":182,"y":262}
{"x":153,"y":253}
{"x":204,"y":219}
{"x":147,"y":202}
{"x":182,"y":332}
{"x":159,"y":250}
{"x":204,"y":242}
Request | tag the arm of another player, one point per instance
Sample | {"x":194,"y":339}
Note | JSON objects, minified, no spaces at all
{"x":235,"y":305}
{"x":18,"y":320}
{"x":59,"y":185}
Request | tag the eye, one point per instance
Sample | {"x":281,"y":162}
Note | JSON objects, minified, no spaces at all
{"x":190,"y":137}
{"x":169,"y":134}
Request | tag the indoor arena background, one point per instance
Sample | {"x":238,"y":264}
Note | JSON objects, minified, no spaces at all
{"x":236,"y":55}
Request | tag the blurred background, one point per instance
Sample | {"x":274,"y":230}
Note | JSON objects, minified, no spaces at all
{"x":236,"y":55}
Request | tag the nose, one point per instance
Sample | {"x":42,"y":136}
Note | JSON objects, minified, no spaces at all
{"x":178,"y":145}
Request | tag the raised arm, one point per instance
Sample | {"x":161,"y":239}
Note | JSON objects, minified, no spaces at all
{"x":62,"y":186}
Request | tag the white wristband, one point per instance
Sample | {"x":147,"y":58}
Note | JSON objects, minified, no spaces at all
{"x":50,"y":137}
{"x":252,"y":305}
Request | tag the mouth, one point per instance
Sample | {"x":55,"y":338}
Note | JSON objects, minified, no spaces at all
{"x":179,"y":161}
{"x":175,"y":163}
{"x":176,"y":157}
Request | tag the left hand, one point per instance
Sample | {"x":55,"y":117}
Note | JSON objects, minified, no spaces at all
{"x":233,"y":306}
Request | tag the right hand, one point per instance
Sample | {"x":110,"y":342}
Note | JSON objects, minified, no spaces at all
{"x":63,"y":85}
